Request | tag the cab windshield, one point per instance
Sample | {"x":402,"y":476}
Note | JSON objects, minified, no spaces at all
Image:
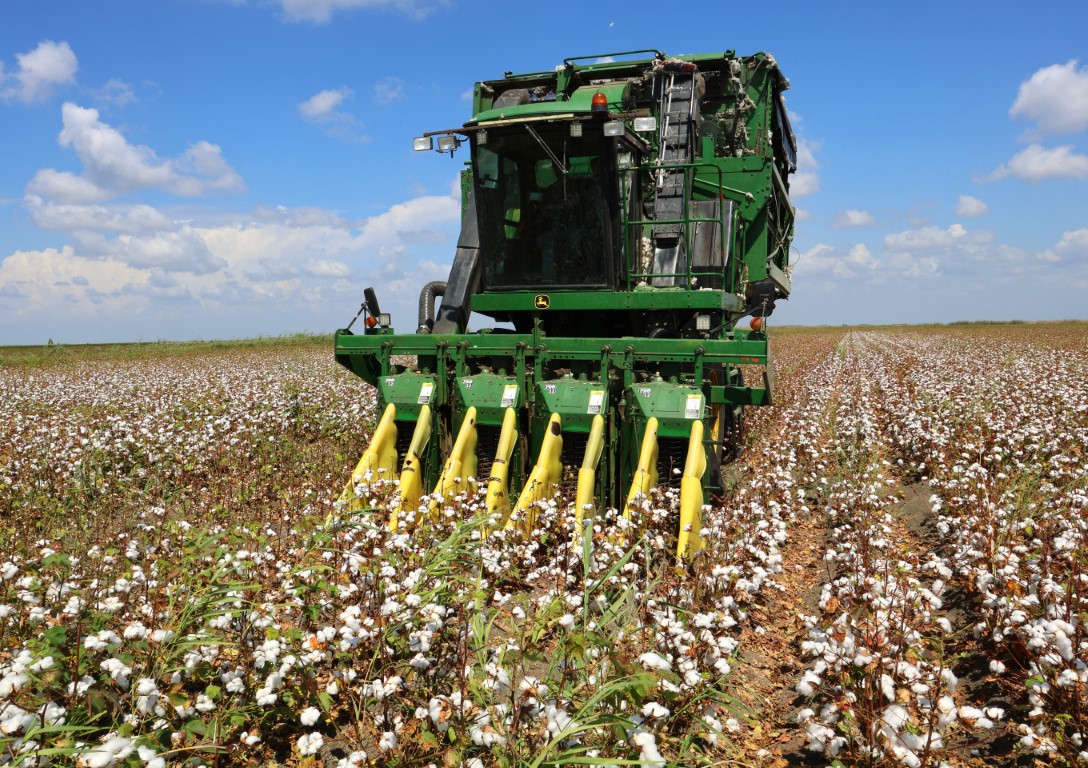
{"x":543,"y":205}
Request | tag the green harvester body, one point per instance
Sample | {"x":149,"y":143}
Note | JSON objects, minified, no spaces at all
{"x":620,"y":218}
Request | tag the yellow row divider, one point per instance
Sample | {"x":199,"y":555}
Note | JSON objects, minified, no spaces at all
{"x":645,"y":476}
{"x":461,"y":463}
{"x":380,"y":455}
{"x":411,"y":473}
{"x":498,"y":490}
{"x":583,"y":500}
{"x":544,"y":477}
{"x":688,"y":542}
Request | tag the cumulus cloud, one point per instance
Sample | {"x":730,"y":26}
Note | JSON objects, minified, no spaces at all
{"x":326,"y":268}
{"x":181,"y":250}
{"x":65,"y":186}
{"x":827,"y":260}
{"x":325,"y":108}
{"x":323,"y":105}
{"x":279,"y":264}
{"x":67,"y":217}
{"x":39,"y":73}
{"x":1056,"y":98}
{"x":849,"y":219}
{"x":970,"y":207}
{"x":44,"y":276}
{"x":112,"y":166}
{"x":1072,"y":247}
{"x":925,"y":238}
{"x":805,"y":181}
{"x":1036,"y":163}
{"x":321,"y":11}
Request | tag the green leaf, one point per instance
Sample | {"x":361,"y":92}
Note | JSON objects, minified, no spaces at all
{"x":56,"y":635}
{"x":213,"y":692}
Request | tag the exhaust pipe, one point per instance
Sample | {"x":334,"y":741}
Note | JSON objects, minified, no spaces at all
{"x":430,"y":292}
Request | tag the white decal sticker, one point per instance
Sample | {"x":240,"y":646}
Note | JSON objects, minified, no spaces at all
{"x":596,"y":400}
{"x":425,"y":393}
{"x":645,"y":391}
{"x":466,"y":383}
{"x":509,"y":395}
{"x":693,"y":409}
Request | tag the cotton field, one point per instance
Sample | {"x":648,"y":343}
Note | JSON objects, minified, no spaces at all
{"x":896,"y":576}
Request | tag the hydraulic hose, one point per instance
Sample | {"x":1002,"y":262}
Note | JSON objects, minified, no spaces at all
{"x":430,"y":292}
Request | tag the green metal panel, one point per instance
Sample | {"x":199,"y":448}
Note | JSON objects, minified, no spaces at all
{"x":576,"y":401}
{"x":490,"y":394}
{"x":408,"y":391}
{"x":598,"y":300}
{"x":580,"y":102}
{"x":675,"y":406}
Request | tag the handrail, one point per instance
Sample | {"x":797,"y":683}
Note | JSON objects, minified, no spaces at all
{"x":690,"y":179}
{"x":568,"y":61}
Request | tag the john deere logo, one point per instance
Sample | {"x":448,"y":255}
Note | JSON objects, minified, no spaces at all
{"x":542,"y":301}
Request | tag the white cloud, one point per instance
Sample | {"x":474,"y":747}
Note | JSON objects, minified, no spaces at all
{"x":389,"y":90}
{"x":112,"y":166}
{"x":40,"y":72}
{"x":1036,"y":163}
{"x":1056,"y":98}
{"x":861,"y":256}
{"x":270,"y":270}
{"x":970,"y":207}
{"x":1072,"y":247}
{"x":42,"y":277}
{"x":925,"y":238}
{"x":323,"y":105}
{"x":805,"y":181}
{"x":66,"y":186}
{"x":182,"y":250}
{"x":850,"y":218}
{"x":325,"y":109}
{"x":321,"y":11}
{"x":827,"y":260}
{"x":202,"y":168}
{"x":326,"y":268}
{"x":62,"y":217}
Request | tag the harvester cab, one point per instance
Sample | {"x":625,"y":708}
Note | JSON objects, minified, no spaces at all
{"x":621,"y":218}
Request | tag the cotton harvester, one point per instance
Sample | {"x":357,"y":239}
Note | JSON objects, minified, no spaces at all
{"x":619,"y":218}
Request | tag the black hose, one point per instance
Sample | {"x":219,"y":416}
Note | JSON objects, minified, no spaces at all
{"x":427,"y":296}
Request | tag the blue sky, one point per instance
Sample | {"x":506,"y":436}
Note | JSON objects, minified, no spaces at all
{"x":177,"y":169}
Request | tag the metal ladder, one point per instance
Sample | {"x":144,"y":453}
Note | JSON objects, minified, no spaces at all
{"x":677,"y":113}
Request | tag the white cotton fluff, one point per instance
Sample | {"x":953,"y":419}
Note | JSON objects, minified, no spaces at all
{"x":808,"y":680}
{"x":309,"y":716}
{"x":653,"y":710}
{"x":649,"y":756}
{"x":388,"y":741}
{"x":651,"y":660}
{"x":309,"y":743}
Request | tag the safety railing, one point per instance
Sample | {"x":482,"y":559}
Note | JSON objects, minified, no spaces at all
{"x":638,"y":266}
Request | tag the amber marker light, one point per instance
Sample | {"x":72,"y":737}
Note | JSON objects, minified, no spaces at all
{"x":371,"y":321}
{"x":756,"y":324}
